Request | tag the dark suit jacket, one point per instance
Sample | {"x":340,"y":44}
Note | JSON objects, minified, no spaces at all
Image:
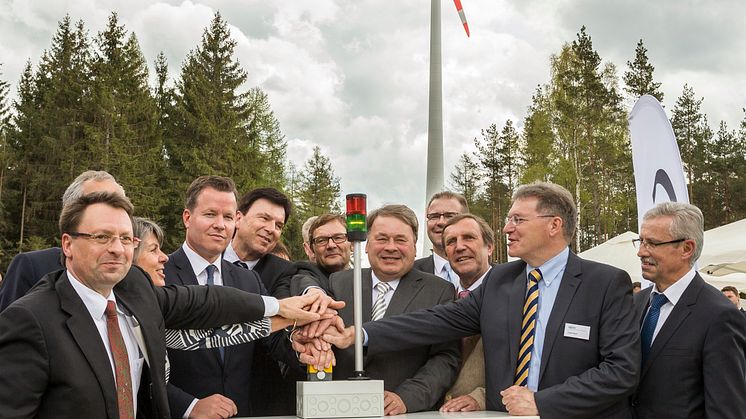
{"x":419,"y":375}
{"x":426,"y":264}
{"x":276,"y":273}
{"x":25,"y":270}
{"x":696,"y":366}
{"x":201,"y":373}
{"x":578,"y":378}
{"x":309,"y":275}
{"x":54,"y":364}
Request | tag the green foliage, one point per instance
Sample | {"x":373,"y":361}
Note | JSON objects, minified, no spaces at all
{"x":639,"y":76}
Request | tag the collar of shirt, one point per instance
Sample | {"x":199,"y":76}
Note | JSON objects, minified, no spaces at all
{"x":231,"y":256}
{"x":199,"y":264}
{"x":674,"y":292}
{"x":439,"y":263}
{"x":393,"y":283}
{"x":553,"y":268}
{"x":476,"y":283}
{"x":94,"y":302}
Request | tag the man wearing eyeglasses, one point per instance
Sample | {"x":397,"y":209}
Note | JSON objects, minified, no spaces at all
{"x":692,"y":339}
{"x":89,"y":340}
{"x":559,"y":332}
{"x":442,"y":207}
{"x":330,"y":249}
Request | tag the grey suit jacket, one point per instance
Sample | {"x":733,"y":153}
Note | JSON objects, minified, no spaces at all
{"x":419,"y":375}
{"x":426,"y":264}
{"x":54,"y":363}
{"x":579,"y":378}
{"x":696,"y":366}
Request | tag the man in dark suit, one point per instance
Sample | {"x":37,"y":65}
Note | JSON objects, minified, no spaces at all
{"x":442,"y":207}
{"x":414,"y":379}
{"x":330,"y":252}
{"x":731,"y":293}
{"x":91,"y":338}
{"x":579,"y":351}
{"x":26,"y":269}
{"x":211,"y":378}
{"x":693,"y":340}
{"x":262,"y":214}
{"x":468,"y":241}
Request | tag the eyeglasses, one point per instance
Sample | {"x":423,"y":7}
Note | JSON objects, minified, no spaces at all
{"x":516,"y":220}
{"x":323,"y":240}
{"x":104,"y":239}
{"x":435,"y":216}
{"x":652,"y":245}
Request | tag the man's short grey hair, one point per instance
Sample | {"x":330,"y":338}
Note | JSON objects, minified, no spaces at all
{"x":306,"y":227}
{"x":75,"y":190}
{"x":687,"y":222}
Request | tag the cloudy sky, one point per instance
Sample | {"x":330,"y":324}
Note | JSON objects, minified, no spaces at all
{"x":352,"y":75}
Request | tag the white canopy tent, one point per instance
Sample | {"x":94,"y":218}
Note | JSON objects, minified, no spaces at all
{"x":724,"y":254}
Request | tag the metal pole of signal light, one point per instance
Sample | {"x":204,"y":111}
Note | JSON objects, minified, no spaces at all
{"x":357,"y":396}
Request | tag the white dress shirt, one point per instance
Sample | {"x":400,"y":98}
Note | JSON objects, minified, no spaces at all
{"x":96,"y":305}
{"x":231,"y":256}
{"x":673,"y":293}
{"x":442,"y":268}
{"x":392,"y":283}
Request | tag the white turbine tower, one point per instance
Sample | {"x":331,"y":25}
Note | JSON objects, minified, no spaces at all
{"x":435,"y":182}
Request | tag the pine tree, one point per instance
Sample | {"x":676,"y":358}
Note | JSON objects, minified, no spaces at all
{"x":693,"y":135}
{"x":319,"y":190}
{"x":538,"y":138}
{"x":639,"y":76}
{"x":465,"y":179}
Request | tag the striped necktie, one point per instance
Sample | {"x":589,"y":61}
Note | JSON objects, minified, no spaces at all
{"x":379,"y":307}
{"x":121,"y":363}
{"x":528,"y":326}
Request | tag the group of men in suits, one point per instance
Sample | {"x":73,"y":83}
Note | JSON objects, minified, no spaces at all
{"x":89,"y":339}
{"x":563,"y":335}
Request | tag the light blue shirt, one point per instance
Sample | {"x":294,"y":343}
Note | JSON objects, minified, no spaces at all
{"x":551,"y":274}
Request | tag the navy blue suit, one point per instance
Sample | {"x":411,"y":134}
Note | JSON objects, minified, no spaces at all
{"x":201,"y":373}
{"x":25,"y":270}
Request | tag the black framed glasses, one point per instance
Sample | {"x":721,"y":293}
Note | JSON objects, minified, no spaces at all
{"x":323,"y":240}
{"x":435,"y":216}
{"x":104,"y":239}
{"x":637,"y":243}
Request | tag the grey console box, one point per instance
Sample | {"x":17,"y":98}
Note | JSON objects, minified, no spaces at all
{"x":340,"y":399}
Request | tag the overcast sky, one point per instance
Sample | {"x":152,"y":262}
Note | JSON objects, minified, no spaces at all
{"x":352,"y":75}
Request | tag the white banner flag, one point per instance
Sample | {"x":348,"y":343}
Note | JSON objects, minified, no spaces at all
{"x":659,"y":174}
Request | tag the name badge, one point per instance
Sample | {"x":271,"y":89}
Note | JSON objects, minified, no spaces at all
{"x":577,"y":331}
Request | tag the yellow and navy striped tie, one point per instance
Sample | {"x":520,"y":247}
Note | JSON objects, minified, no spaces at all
{"x":527,"y":328}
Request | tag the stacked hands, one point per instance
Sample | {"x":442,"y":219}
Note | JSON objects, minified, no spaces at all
{"x":316,"y":327}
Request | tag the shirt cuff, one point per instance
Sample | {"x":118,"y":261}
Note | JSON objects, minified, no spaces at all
{"x":310,"y":287}
{"x":365,"y":338}
{"x":271,"y":306}
{"x":189,"y":409}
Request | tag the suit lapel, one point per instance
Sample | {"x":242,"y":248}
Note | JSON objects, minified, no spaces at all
{"x":569,"y":285}
{"x":87,"y":337}
{"x":408,"y":287}
{"x":184,"y":269}
{"x":515,"y":314}
{"x":680,"y":312}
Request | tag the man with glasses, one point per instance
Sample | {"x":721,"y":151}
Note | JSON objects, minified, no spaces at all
{"x":89,"y":340}
{"x":692,"y":339}
{"x":442,"y":207}
{"x":559,"y":332}
{"x":330,"y":251}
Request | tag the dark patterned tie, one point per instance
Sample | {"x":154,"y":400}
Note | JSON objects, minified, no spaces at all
{"x":241,"y":264}
{"x":121,"y":363}
{"x":211,"y":281}
{"x":528,"y":328}
{"x":651,"y":320}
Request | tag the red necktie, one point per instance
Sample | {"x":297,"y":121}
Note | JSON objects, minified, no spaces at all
{"x":121,"y":363}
